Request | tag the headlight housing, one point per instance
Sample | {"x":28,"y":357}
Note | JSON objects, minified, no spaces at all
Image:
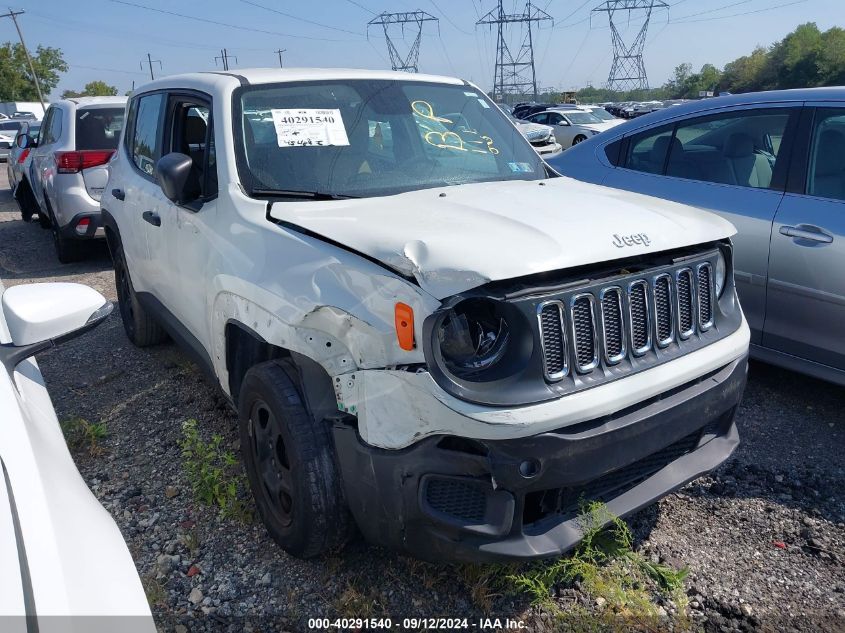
{"x":552,"y":139}
{"x":481,"y":340}
{"x":720,"y":274}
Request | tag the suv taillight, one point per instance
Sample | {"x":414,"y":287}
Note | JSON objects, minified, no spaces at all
{"x":73,"y":162}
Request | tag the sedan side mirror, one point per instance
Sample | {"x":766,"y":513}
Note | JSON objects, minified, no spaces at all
{"x":40,"y":316}
{"x":25,"y":141}
{"x":177,"y":178}
{"x":564,"y":123}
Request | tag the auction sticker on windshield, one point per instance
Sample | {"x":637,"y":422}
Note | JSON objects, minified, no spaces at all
{"x":309,"y":127}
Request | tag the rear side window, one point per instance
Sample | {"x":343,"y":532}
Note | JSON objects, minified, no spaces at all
{"x":647,"y":150}
{"x":826,"y":177}
{"x":146,"y":137}
{"x":98,"y":128}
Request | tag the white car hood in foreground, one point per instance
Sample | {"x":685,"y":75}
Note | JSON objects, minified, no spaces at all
{"x":455,"y":238}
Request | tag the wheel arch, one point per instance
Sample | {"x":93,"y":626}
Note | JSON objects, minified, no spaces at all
{"x":246,"y":348}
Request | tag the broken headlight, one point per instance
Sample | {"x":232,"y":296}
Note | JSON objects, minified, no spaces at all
{"x":480,"y":340}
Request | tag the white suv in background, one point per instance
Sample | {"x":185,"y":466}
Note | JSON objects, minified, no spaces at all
{"x":64,"y":565}
{"x":425,"y":331}
{"x":68,"y":170}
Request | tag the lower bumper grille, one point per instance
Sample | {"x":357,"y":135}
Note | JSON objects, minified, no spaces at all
{"x":457,"y":499}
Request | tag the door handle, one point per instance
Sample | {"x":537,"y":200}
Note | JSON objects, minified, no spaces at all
{"x":118,"y":193}
{"x":152,"y":217}
{"x":807,"y":232}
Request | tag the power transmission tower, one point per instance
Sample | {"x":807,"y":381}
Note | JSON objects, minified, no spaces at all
{"x":150,"y":62}
{"x":514,"y":74}
{"x":280,"y":51}
{"x":417,"y":18}
{"x":628,"y":70}
{"x":14,"y":15}
{"x":224,"y":57}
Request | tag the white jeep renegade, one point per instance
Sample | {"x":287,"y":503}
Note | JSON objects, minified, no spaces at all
{"x":426,"y":333}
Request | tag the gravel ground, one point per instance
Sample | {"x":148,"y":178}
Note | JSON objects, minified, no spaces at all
{"x":764,"y":538}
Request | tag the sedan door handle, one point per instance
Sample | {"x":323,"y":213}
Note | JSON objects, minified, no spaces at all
{"x":118,"y":193}
{"x":152,"y":217}
{"x":807,"y":232}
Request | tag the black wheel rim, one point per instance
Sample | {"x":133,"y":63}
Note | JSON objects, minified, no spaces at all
{"x":271,"y":462}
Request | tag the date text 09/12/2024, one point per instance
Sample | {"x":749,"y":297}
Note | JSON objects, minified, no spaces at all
{"x":415,"y":624}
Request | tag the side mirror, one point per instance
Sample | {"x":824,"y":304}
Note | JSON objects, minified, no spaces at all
{"x":564,"y":124}
{"x":40,"y":316}
{"x":25,"y":140}
{"x":177,"y":180}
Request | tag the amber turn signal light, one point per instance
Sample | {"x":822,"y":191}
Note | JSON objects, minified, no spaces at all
{"x":404,"y":326}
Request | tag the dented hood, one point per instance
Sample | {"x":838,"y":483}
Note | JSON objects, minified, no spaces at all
{"x":451,"y":239}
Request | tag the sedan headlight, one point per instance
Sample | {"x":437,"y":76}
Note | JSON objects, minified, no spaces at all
{"x":720,"y":274}
{"x":481,"y":340}
{"x":593,"y":132}
{"x":552,"y":139}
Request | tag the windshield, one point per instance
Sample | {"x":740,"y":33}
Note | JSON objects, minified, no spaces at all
{"x":581,"y":118}
{"x":365,"y":138}
{"x":98,"y":128}
{"x":601,"y":113}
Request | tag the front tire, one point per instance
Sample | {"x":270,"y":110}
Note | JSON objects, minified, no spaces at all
{"x":140,"y":327}
{"x":579,"y":139}
{"x":289,"y":460}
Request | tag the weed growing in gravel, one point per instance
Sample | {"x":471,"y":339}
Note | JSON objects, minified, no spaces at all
{"x":357,"y":602}
{"x":82,"y":434}
{"x":624,"y":585}
{"x":191,"y":541}
{"x":214,"y":473}
{"x":155,"y":590}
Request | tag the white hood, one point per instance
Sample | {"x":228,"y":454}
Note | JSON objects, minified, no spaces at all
{"x":452,"y":239}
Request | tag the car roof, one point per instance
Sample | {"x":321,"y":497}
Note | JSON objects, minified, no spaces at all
{"x":257,"y":76}
{"x":835,"y":93}
{"x":81,"y":102}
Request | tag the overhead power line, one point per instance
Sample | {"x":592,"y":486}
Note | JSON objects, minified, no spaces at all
{"x":224,"y":24}
{"x":298,"y":19}
{"x":737,"y":15}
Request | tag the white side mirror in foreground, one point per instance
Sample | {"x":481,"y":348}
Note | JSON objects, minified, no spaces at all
{"x":42,"y":315}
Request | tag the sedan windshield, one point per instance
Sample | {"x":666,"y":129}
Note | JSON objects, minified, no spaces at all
{"x":602,"y":114}
{"x":361,"y":138}
{"x":581,"y":118}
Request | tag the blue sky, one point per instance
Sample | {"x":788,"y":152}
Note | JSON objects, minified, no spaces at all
{"x":107,"y":39}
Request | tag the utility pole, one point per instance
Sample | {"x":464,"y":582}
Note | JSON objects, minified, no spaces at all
{"x":150,"y":62}
{"x":514,"y":74}
{"x":280,"y":51}
{"x":14,"y":15}
{"x":628,"y":70}
{"x":407,"y":63}
{"x":224,"y":56}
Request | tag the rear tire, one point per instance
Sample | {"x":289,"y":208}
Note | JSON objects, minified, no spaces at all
{"x":141,"y":328}
{"x":26,"y":201}
{"x":289,"y":460}
{"x":67,"y":250}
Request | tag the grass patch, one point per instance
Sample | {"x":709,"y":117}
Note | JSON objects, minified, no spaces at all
{"x":626,"y":588}
{"x":80,"y":434}
{"x":214,"y":473}
{"x":358,"y":602}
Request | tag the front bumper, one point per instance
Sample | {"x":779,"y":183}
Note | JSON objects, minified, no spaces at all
{"x":451,"y":498}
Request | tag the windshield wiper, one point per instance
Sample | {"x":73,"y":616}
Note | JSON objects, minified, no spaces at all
{"x":301,"y":195}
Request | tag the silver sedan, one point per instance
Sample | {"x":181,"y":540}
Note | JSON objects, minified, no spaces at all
{"x":774,"y":165}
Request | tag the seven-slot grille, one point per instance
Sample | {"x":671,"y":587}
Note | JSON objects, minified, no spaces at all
{"x":605,"y":322}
